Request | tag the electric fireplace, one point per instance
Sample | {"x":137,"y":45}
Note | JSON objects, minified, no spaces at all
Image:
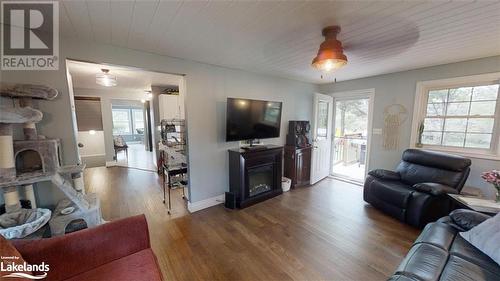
{"x":255,"y":175}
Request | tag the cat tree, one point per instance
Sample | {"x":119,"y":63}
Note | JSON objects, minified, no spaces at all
{"x":37,"y":159}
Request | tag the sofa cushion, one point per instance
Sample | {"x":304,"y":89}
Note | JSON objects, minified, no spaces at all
{"x":460,"y":269}
{"x":139,"y":266}
{"x":437,"y":234}
{"x":412,"y":173}
{"x":467,"y":219}
{"x":399,"y":277}
{"x":392,"y":192}
{"x":466,"y":251}
{"x":424,"y":261}
{"x":385,"y":174}
{"x":436,"y":159}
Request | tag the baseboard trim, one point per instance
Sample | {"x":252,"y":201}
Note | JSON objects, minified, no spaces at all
{"x":111,"y":163}
{"x":206,"y":203}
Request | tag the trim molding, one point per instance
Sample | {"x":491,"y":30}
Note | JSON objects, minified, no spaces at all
{"x":420,"y":108}
{"x":206,"y":203}
{"x":111,"y":163}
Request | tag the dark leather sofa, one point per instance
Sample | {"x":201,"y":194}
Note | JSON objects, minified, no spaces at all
{"x":440,"y":253}
{"x":416,"y":192}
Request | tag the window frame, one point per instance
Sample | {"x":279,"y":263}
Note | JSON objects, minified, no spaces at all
{"x":134,"y":120}
{"x":129,"y":120}
{"x":420,"y":111}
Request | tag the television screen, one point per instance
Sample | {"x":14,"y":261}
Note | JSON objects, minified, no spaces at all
{"x":252,"y":119}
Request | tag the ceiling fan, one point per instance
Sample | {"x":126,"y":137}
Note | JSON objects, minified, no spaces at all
{"x":331,"y":53}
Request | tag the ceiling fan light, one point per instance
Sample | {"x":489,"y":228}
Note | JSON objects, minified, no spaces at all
{"x":105,"y":79}
{"x":330,"y":54}
{"x":329,"y":64}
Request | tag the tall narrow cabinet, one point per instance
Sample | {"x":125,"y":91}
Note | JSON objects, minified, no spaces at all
{"x":298,"y":165}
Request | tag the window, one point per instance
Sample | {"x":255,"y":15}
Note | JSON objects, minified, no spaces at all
{"x":138,"y":115}
{"x":121,"y":122}
{"x":128,"y":121}
{"x":322,"y":127}
{"x":459,"y":116}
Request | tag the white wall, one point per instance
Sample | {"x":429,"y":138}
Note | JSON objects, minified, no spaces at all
{"x":93,"y":152}
{"x":207,"y":88}
{"x":93,"y":145}
{"x":400,"y":88}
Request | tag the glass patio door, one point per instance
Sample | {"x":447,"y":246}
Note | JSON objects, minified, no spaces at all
{"x":350,"y":138}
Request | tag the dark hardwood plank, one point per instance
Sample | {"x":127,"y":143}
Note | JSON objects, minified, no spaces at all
{"x":324,"y":232}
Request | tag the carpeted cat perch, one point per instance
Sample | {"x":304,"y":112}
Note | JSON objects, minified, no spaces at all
{"x":23,"y":163}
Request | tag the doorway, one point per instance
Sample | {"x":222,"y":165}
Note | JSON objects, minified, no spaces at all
{"x":130,"y":110}
{"x":321,"y":137}
{"x":351,"y":135}
{"x":130,"y":136}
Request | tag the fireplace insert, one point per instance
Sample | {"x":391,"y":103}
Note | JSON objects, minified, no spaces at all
{"x":260,"y":180}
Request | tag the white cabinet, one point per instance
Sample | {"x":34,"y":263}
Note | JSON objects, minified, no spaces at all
{"x":171,"y":107}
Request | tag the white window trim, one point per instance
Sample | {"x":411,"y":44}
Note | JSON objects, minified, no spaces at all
{"x":130,"y":124}
{"x":420,"y":108}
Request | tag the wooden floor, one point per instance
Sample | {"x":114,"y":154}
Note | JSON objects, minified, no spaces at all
{"x":321,"y":232}
{"x":137,"y":157}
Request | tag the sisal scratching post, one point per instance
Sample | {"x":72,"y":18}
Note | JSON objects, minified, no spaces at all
{"x":29,"y":128}
{"x":7,"y":164}
{"x":78,"y":183}
{"x":11,"y":198}
{"x":29,"y":193}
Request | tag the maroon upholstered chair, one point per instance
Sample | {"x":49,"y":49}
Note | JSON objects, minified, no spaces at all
{"x":118,"y":250}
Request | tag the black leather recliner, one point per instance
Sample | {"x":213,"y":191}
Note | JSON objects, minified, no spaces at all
{"x":416,"y":192}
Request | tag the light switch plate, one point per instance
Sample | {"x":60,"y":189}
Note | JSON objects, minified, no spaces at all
{"x":377,"y":131}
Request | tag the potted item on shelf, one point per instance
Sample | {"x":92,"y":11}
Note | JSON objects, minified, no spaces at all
{"x":493,"y":177}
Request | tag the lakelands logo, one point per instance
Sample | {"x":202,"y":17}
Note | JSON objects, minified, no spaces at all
{"x":18,"y":270}
{"x":30,"y":35}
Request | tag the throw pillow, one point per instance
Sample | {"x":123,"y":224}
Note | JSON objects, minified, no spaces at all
{"x":485,"y":237}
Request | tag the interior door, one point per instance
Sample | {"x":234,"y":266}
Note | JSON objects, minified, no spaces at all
{"x":321,"y":137}
{"x":73,"y":113}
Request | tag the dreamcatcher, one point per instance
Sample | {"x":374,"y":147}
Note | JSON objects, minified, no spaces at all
{"x":394,"y":116}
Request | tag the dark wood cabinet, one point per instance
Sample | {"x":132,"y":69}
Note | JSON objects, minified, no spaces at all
{"x":298,"y":165}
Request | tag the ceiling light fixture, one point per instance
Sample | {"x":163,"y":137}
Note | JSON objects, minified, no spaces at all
{"x":105,"y":79}
{"x":330,"y":54}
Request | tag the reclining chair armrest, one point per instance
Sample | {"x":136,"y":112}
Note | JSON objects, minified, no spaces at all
{"x":385,"y":174}
{"x":436,"y":189}
{"x":467,"y":219}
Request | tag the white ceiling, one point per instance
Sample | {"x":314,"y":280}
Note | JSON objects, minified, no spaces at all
{"x":83,"y":75}
{"x":281,"y":38}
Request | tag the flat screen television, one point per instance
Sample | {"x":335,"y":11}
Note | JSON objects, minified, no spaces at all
{"x":252,"y":119}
